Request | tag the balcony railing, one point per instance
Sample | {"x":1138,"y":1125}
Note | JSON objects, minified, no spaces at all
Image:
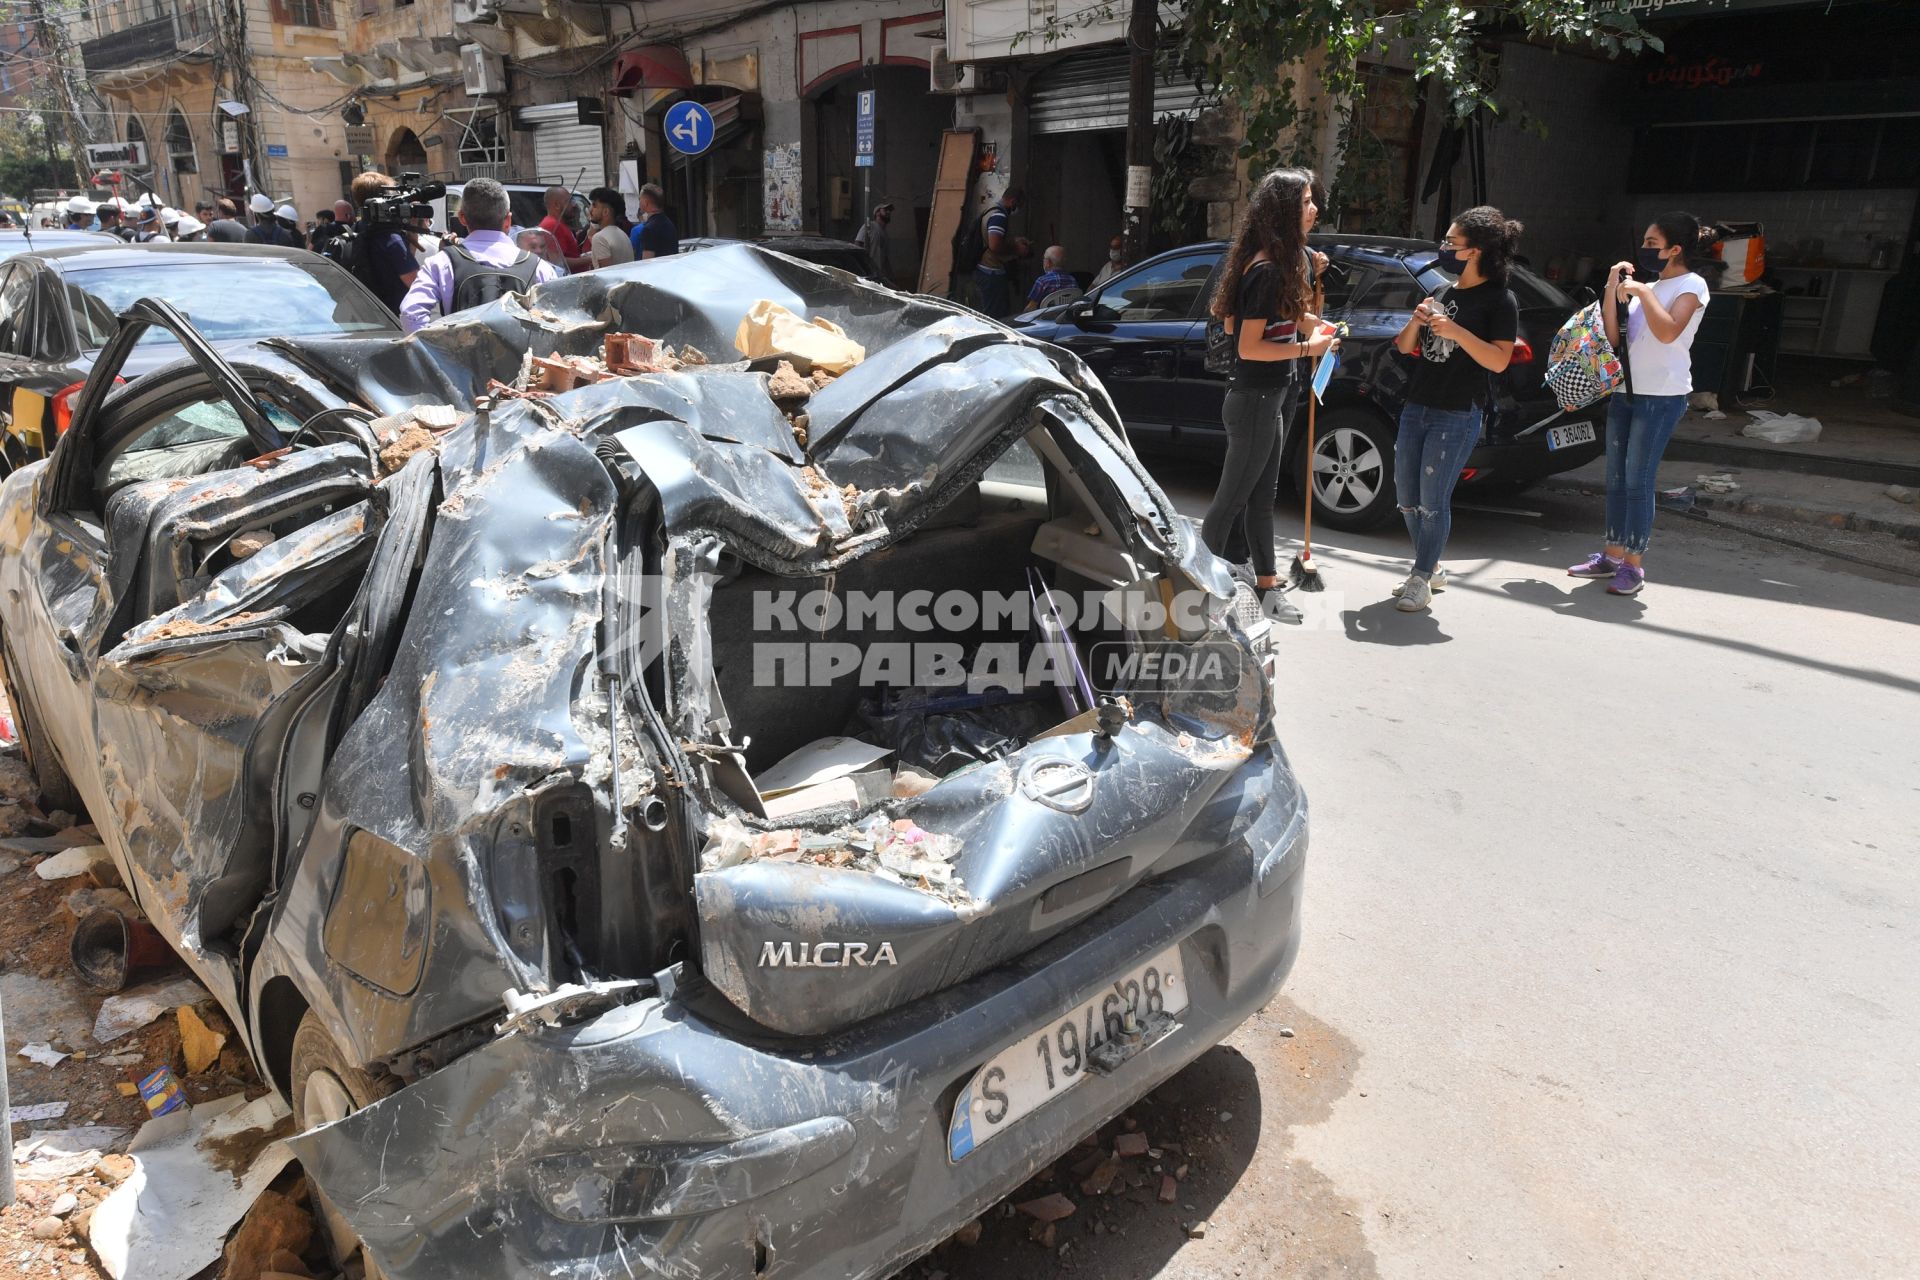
{"x":174,"y":31}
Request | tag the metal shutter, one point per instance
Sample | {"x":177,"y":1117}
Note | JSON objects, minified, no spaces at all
{"x":1089,"y":91}
{"x":564,"y":150}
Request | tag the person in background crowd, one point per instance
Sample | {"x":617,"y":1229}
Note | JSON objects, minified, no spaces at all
{"x":1263,"y":299}
{"x":170,"y":223}
{"x":421,"y":237}
{"x":483,"y":266}
{"x":190,"y":230}
{"x":1053,"y":276}
{"x":264,"y":230}
{"x":656,"y":236}
{"x":326,"y":229}
{"x":872,"y":237}
{"x":226,"y":228}
{"x":609,"y":245}
{"x":1116,"y":262}
{"x":559,"y":199}
{"x":79,"y":213}
{"x":146,"y":225}
{"x":540,"y":242}
{"x":999,"y":250}
{"x":384,"y":260}
{"x":1462,"y":335}
{"x":1665,"y":301}
{"x":46,"y":224}
{"x":203,"y":210}
{"x":110,"y":213}
{"x":287,"y":221}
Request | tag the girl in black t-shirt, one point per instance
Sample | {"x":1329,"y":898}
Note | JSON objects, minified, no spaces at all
{"x":1262,"y":300}
{"x":1461,"y":335}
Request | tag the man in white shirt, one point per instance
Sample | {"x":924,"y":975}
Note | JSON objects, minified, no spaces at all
{"x":482,"y":267}
{"x":609,"y":244}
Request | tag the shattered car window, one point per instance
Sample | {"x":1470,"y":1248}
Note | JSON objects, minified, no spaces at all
{"x":207,"y":420}
{"x":244,"y":298}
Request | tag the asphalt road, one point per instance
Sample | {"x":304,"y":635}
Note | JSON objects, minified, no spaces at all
{"x":1612,"y":964}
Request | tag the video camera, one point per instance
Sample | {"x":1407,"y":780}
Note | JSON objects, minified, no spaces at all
{"x":401,"y":204}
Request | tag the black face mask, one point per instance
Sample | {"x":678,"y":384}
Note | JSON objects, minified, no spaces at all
{"x":1648,"y":263}
{"x":1450,"y":260}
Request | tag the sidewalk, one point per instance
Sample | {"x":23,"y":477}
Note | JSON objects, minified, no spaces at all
{"x":1790,"y":497}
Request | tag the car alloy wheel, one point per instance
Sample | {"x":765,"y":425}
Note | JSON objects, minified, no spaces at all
{"x":327,"y":1088}
{"x":1352,"y":470}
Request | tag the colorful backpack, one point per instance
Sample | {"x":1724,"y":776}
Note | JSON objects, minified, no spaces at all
{"x":1582,"y":367}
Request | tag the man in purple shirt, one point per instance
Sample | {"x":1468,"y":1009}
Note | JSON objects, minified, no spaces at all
{"x":482,"y":267}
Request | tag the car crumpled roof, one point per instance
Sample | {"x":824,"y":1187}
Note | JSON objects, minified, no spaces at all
{"x":940,"y":392}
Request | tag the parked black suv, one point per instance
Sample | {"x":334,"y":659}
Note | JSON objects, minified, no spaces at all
{"x":1144,"y":333}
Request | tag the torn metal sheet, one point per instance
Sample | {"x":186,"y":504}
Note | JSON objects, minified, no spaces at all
{"x":54,"y":1154}
{"x":196,"y":1172}
{"x":131,"y":1010}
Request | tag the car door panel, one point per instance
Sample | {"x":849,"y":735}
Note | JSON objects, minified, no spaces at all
{"x":1131,"y":333}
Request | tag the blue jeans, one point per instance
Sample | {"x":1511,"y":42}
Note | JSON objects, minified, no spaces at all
{"x":1638,"y":428}
{"x":994,"y":291}
{"x":1428,"y":456}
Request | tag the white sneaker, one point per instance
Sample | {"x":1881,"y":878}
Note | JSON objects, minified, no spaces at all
{"x":1415,"y":594}
{"x":1437,"y":583}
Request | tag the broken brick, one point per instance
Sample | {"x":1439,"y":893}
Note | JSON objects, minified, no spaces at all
{"x":1101,"y":1180}
{"x":969,"y":1235}
{"x":1169,"y":1189}
{"x":1130,"y":1144}
{"x":785,"y":383}
{"x":1048,"y":1208}
{"x":1041,"y":1233}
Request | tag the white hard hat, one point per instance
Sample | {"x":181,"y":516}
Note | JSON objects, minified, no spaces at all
{"x":287,"y":212}
{"x":169,"y":215}
{"x":261,"y":204}
{"x":120,"y":203}
{"x":79,"y":204}
{"x":189,"y":225}
{"x":147,"y":201}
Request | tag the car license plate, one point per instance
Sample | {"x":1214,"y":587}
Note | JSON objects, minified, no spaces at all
{"x":1057,"y":1057}
{"x":1572,"y":433}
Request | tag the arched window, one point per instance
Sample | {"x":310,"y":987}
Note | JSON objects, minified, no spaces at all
{"x":180,"y":144}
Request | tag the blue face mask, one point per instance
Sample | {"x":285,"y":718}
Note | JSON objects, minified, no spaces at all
{"x":1450,"y":260}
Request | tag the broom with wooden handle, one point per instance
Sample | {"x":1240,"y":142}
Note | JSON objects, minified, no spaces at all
{"x":1303,"y":574}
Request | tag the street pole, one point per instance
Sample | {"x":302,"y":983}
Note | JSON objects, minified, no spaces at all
{"x":1142,"y":36}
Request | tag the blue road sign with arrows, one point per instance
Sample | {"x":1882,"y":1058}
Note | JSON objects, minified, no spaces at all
{"x":689,"y":128}
{"x":863,"y":129}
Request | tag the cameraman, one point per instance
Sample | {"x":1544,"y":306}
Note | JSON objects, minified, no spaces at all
{"x":483,"y":266}
{"x":381,"y":255}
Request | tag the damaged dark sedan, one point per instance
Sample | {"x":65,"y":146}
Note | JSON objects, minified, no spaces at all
{"x":654,"y":762}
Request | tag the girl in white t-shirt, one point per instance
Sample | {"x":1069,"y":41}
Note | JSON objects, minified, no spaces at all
{"x":1665,"y":300}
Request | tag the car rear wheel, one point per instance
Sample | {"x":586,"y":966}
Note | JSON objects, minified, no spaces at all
{"x":1351,"y":470}
{"x":326,"y":1087}
{"x":56,"y":789}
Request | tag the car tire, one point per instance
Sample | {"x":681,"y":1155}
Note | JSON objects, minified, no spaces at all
{"x":326,"y":1087}
{"x":1352,"y":484}
{"x":56,"y":789}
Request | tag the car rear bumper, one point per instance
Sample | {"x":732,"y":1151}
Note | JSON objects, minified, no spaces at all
{"x":646,"y":1139}
{"x":1522,"y":461}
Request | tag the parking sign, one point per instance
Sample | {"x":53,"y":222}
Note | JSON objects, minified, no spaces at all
{"x":863,"y":130}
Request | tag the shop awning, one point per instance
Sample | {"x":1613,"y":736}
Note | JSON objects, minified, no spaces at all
{"x":651,"y":66}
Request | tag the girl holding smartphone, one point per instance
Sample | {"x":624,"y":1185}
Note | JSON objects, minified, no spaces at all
{"x":1665,"y":300}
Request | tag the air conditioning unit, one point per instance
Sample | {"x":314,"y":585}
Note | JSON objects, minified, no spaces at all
{"x":951,"y":77}
{"x":483,"y":71}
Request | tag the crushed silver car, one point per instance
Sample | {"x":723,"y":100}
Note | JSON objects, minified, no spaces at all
{"x":648,"y":760}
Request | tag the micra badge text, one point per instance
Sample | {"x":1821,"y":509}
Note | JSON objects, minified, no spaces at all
{"x":824,"y":955}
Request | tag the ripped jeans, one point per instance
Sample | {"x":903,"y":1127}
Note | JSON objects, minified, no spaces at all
{"x":1432,"y":448}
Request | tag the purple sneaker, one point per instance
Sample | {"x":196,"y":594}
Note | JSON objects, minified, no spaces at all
{"x":1597,"y":565}
{"x":1627,"y":580}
